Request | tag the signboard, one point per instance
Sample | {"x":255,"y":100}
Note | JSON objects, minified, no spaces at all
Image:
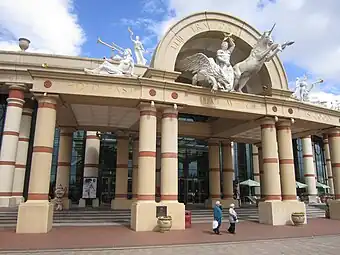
{"x":161,"y":211}
{"x":89,"y":187}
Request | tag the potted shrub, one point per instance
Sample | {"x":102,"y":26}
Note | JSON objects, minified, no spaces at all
{"x":164,"y":223}
{"x":298,"y":218}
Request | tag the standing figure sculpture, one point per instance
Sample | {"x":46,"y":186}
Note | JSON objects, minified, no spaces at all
{"x":139,"y":49}
{"x":208,"y":73}
{"x":263,"y":51}
{"x":125,"y":67}
{"x":59,"y":194}
{"x":223,"y":56}
{"x":302,"y":88}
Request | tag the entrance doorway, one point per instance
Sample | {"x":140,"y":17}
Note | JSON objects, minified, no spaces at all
{"x":192,"y":190}
{"x":107,"y":187}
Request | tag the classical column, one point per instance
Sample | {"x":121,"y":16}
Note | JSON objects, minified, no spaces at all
{"x":256,"y":170}
{"x":309,"y":168}
{"x":121,"y":201}
{"x":328,"y":164}
{"x":228,"y":175}
{"x":91,"y":164}
{"x":143,"y":210}
{"x":36,"y":215}
{"x":169,"y":168}
{"x":271,"y":175}
{"x":64,"y":163}
{"x":214,"y":173}
{"x":286,"y":160}
{"x":10,"y":137}
{"x":21,"y":157}
{"x":135,"y":147}
{"x":334,"y":148}
{"x":158,"y":172}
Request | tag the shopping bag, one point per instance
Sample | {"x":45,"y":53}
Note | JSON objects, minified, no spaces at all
{"x":215,"y":224}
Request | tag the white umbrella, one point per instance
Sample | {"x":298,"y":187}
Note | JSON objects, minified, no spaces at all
{"x":250,"y":183}
{"x":301,"y":185}
{"x":323,"y":186}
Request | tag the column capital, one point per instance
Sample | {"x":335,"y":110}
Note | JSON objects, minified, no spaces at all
{"x":16,"y":86}
{"x":333,"y":132}
{"x":226,"y":143}
{"x":170,"y":112}
{"x":283,"y":124}
{"x":213,"y":142}
{"x":268,"y":122}
{"x":258,"y":145}
{"x":67,"y":131}
{"x":122,"y":135}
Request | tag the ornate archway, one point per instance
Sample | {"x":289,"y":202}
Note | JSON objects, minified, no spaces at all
{"x":211,"y":24}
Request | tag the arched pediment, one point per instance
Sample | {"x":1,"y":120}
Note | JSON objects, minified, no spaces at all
{"x":203,"y":32}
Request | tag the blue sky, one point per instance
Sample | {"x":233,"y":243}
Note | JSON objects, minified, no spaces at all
{"x":71,"y":27}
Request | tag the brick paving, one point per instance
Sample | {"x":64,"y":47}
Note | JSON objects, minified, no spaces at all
{"x":118,"y":236}
{"x":325,"y":245}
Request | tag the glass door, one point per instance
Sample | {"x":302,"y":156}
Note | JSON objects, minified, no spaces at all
{"x":107,"y":190}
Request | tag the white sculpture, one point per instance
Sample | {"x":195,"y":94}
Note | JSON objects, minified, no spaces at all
{"x":59,"y":194}
{"x":125,"y":67}
{"x":207,"y":72}
{"x":303,"y":89}
{"x":139,"y":49}
{"x":263,"y":51}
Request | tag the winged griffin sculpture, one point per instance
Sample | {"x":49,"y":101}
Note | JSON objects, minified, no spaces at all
{"x":221,"y":75}
{"x":217,"y":75}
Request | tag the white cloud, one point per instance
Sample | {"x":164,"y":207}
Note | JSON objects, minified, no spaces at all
{"x":312,"y":24}
{"x":51,"y":26}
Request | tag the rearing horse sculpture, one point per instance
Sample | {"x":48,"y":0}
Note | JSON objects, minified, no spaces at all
{"x":264,"y":50}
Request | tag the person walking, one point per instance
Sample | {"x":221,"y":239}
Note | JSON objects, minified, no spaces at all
{"x":217,"y":218}
{"x":232,"y":219}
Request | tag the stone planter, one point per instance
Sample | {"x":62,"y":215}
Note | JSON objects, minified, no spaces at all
{"x":164,"y":223}
{"x":24,"y":43}
{"x":298,"y":218}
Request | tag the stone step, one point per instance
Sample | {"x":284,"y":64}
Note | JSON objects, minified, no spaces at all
{"x":98,"y":217}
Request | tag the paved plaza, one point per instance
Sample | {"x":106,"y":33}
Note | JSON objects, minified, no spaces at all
{"x":120,"y":237}
{"x":326,"y":245}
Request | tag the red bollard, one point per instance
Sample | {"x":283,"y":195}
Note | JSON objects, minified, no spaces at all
{"x":187,"y":219}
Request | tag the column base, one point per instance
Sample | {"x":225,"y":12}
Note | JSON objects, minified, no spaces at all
{"x":211,"y":202}
{"x":177,"y":212}
{"x":82,"y":203}
{"x":143,"y":216}
{"x":334,"y":209}
{"x":35,"y":217}
{"x":8,"y":202}
{"x":313,"y":199}
{"x":227,"y":202}
{"x":278,"y":213}
{"x":18,"y":200}
{"x":121,"y":204}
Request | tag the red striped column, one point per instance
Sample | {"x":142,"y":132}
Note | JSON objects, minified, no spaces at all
{"x":271,"y":173}
{"x":309,"y":168}
{"x":147,"y":154}
{"x":91,"y":161}
{"x":122,"y":175}
{"x":328,"y":164}
{"x":286,"y":160}
{"x":10,"y":137}
{"x":228,"y":171}
{"x":256,"y":169}
{"x":169,"y":155}
{"x":135,"y":147}
{"x":334,"y":148}
{"x":21,"y":157}
{"x":64,"y":162}
{"x":214,"y":172}
{"x":39,"y":183}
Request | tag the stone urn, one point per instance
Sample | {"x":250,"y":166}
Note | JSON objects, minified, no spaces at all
{"x":164,"y":223}
{"x":298,"y":218}
{"x":24,"y":43}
